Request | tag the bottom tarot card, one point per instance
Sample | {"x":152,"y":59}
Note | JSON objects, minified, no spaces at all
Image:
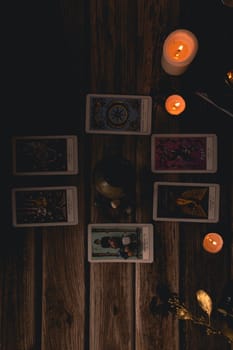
{"x":44,"y":206}
{"x":180,"y":201}
{"x":120,"y":243}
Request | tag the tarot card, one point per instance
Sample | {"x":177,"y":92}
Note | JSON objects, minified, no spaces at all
{"x":44,"y":206}
{"x":120,"y":243}
{"x":184,"y":153}
{"x":118,"y":114}
{"x":45,"y":155}
{"x":177,"y":201}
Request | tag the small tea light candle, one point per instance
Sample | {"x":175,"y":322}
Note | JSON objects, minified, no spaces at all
{"x":212,"y":242}
{"x":179,"y":49}
{"x":175,"y":104}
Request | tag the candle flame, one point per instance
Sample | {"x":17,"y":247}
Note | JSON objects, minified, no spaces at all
{"x":176,"y":105}
{"x":230,"y":75}
{"x":178,"y":51}
{"x":212,"y":241}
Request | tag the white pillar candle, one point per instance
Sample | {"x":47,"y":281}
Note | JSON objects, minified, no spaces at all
{"x":175,"y":104}
{"x":179,"y":49}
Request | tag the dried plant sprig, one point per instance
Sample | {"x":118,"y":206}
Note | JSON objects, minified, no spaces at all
{"x":182,"y":313}
{"x":205,"y":302}
{"x":179,"y":308}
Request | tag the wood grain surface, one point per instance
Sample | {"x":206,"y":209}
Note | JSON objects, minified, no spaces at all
{"x":51,"y":297}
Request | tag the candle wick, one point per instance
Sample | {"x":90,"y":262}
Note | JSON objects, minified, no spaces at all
{"x":212,"y":241}
{"x":176,"y":105}
{"x":178,"y":51}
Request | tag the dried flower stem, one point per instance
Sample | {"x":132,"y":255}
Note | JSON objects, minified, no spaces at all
{"x":183,"y":313}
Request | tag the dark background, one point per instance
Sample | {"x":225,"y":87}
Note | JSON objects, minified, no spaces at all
{"x":43,"y":69}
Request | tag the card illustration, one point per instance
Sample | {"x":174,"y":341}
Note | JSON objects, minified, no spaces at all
{"x":45,"y":206}
{"x":120,"y":242}
{"x":186,"y":202}
{"x":114,"y":114}
{"x":45,"y":155}
{"x":180,"y":153}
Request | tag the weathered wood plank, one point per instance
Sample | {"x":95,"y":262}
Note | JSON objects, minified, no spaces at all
{"x":63,"y":294}
{"x":64,"y":307}
{"x":111,"y":285}
{"x":138,"y":36}
{"x":164,"y":269}
{"x":111,"y":306}
{"x":112,"y":54}
{"x":113,"y":47}
{"x":154,"y":22}
{"x":19,"y":313}
{"x":158,"y":331}
{"x":64,"y":279}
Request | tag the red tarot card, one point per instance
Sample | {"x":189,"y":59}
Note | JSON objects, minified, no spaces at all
{"x":184,"y":153}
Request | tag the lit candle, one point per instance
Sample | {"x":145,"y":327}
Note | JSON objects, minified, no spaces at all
{"x":175,"y":104}
{"x":212,"y":242}
{"x":179,"y":49}
{"x":229,"y":78}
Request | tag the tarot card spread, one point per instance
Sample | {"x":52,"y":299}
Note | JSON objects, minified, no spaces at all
{"x":196,"y":202}
{"x":120,"y":243}
{"x":45,"y":206}
{"x":184,"y":153}
{"x":118,"y":114}
{"x":45,"y":155}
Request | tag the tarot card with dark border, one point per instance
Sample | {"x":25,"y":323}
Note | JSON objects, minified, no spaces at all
{"x":118,"y":114}
{"x":184,"y":153}
{"x":120,"y":243}
{"x":45,"y":155}
{"x":194,"y":202}
{"x":44,"y":206}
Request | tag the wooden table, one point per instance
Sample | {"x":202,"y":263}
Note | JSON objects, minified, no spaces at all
{"x":52,"y":298}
